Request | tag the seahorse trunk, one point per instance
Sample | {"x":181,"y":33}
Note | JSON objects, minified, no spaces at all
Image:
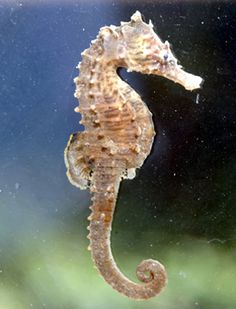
{"x":106,"y":188}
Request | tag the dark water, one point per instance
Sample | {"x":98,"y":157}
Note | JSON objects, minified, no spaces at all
{"x":184,"y":195}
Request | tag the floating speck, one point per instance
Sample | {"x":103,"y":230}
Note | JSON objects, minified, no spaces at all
{"x":17,"y":185}
{"x":197,"y":98}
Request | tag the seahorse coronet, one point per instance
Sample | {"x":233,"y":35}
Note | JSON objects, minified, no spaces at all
{"x":118,"y":136}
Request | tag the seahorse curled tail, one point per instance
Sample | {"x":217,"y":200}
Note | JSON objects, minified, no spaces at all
{"x":103,"y":207}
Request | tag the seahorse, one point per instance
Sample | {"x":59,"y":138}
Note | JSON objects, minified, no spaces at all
{"x":118,"y":136}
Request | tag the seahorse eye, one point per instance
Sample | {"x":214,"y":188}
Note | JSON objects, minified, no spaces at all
{"x":165,"y":56}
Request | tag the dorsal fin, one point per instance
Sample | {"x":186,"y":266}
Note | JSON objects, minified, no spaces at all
{"x":78,"y":171}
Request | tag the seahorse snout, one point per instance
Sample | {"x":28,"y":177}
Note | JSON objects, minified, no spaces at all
{"x":187,"y":80}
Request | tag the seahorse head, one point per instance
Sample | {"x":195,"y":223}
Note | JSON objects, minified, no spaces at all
{"x":143,"y":51}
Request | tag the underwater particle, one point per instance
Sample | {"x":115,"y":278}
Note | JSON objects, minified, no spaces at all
{"x":17,"y":186}
{"x":197,"y":98}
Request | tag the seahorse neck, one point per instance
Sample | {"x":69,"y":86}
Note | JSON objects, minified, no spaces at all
{"x":98,"y":78}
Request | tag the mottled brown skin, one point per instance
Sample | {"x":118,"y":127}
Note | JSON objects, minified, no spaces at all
{"x":118,"y":136}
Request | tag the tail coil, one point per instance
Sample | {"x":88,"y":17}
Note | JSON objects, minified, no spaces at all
{"x":150,"y":272}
